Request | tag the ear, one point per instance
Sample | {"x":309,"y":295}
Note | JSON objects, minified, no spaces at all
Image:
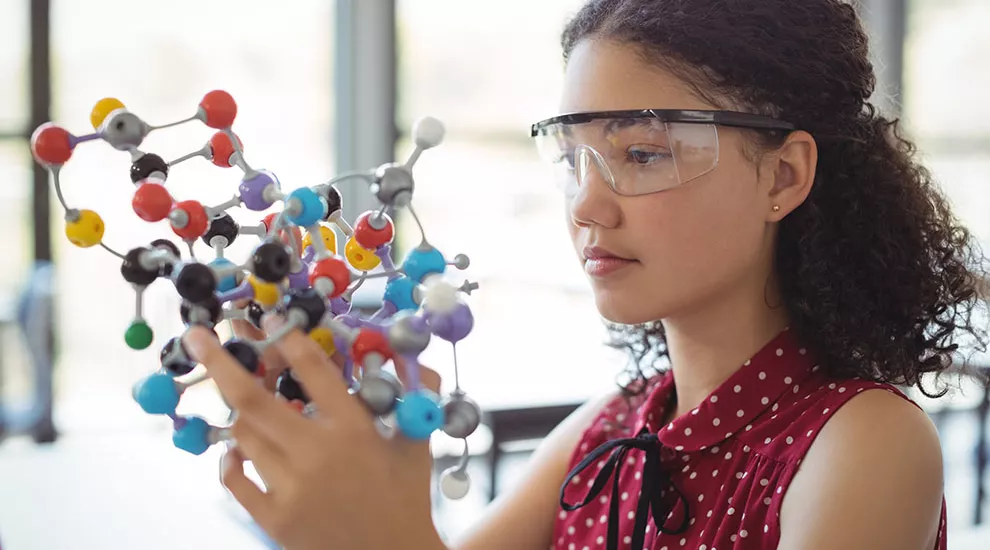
{"x":793,"y":167}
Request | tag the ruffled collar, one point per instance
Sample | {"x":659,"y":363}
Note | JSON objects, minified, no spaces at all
{"x":780,"y":366}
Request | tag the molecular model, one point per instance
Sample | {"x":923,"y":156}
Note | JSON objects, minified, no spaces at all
{"x":295,"y":270}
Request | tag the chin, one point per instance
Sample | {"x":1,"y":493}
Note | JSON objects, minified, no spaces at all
{"x":630,"y":309}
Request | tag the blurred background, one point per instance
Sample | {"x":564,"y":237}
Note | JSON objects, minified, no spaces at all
{"x":325,"y":87}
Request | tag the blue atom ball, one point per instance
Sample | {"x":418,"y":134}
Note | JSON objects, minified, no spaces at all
{"x":419,"y":414}
{"x":399,"y":292}
{"x":419,"y":263}
{"x":227,"y":283}
{"x":193,"y":436}
{"x":157,"y":394}
{"x":314,"y":207}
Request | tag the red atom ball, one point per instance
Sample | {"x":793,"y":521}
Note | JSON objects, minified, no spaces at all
{"x":51,"y":144}
{"x":152,"y":202}
{"x":219,"y":109}
{"x":197,"y":223}
{"x":369,"y":237}
{"x":334,"y":269}
{"x":222,"y":149}
{"x":370,"y":341}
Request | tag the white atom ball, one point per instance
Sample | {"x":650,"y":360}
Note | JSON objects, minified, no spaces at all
{"x":440,"y":296}
{"x":427,"y":132}
{"x":454,"y":484}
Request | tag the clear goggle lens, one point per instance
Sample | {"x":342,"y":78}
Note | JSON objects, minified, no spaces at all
{"x":634,"y":156}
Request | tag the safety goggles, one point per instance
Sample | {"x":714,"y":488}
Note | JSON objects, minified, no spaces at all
{"x":638,"y":152}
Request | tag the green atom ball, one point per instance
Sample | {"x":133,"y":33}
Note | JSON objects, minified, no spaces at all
{"x":138,"y":335}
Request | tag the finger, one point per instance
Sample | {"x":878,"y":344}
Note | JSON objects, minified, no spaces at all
{"x":274,"y":366}
{"x":245,"y":328}
{"x":269,"y":460}
{"x":320,"y":377}
{"x":239,"y":387}
{"x":258,"y":504}
{"x":426,"y":377}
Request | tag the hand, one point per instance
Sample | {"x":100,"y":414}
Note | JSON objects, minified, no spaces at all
{"x":333,"y":481}
{"x":273,"y":361}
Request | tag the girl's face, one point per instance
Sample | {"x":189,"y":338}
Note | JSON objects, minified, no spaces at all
{"x":691,"y":245}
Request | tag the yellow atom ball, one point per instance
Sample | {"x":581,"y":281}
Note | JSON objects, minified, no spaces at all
{"x":329,"y":239}
{"x":103,"y":108}
{"x":266,"y":294}
{"x":84,"y":228}
{"x":324,"y":338}
{"x":360,"y":257}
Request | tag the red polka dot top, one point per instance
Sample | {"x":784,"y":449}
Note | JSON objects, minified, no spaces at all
{"x":711,"y":479}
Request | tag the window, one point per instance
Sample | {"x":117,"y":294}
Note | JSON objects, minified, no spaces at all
{"x":488,"y":75}
{"x":15,"y":159}
{"x":946,"y":112}
{"x":159,"y":62}
{"x":14,"y":43}
{"x":951,"y":120}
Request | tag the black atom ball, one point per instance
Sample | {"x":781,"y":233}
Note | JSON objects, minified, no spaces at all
{"x":175,"y":359}
{"x":222,"y":226}
{"x":212,"y":307}
{"x":148,"y":164}
{"x":134,"y":272}
{"x":166,"y":269}
{"x":245,"y":354}
{"x":290,"y":388}
{"x":195,"y":282}
{"x":309,"y":302}
{"x":255,"y":313}
{"x":335,"y":202}
{"x":271,"y":262}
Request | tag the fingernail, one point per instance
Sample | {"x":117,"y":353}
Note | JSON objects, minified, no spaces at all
{"x":193,"y":341}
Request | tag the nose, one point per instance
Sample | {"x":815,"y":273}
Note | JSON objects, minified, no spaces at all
{"x":594,"y":202}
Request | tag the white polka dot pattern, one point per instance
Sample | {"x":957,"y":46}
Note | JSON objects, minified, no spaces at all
{"x":754,"y":430}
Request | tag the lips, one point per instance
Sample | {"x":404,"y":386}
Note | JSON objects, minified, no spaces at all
{"x":600,"y":262}
{"x":601,"y":253}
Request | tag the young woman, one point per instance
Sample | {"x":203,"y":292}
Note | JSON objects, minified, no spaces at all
{"x":778,"y":261}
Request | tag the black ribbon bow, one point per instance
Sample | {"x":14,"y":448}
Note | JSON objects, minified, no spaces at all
{"x":650,"y":499}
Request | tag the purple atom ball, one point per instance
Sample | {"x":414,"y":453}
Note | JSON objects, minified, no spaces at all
{"x":350,"y":320}
{"x":252,"y":191}
{"x":299,"y":280}
{"x":453,"y":325}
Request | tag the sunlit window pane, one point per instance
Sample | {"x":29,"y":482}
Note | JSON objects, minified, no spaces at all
{"x":17,"y":214}
{"x":950,"y":119}
{"x":537,"y":337}
{"x":14,"y":73}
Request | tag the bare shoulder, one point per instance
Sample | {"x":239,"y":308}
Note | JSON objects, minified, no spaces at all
{"x":523,"y":517}
{"x":871,"y":479}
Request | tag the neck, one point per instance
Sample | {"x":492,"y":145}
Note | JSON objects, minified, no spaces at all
{"x":707,"y":346}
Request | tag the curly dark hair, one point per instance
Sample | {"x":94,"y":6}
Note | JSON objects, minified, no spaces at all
{"x":878,"y":276}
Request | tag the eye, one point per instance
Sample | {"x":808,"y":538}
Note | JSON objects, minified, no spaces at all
{"x":566,"y":157}
{"x":646,"y":154}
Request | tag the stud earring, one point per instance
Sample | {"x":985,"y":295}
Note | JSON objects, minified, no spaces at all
{"x":776,"y":208}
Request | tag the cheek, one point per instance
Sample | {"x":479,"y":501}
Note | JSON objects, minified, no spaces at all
{"x":703,"y":237}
